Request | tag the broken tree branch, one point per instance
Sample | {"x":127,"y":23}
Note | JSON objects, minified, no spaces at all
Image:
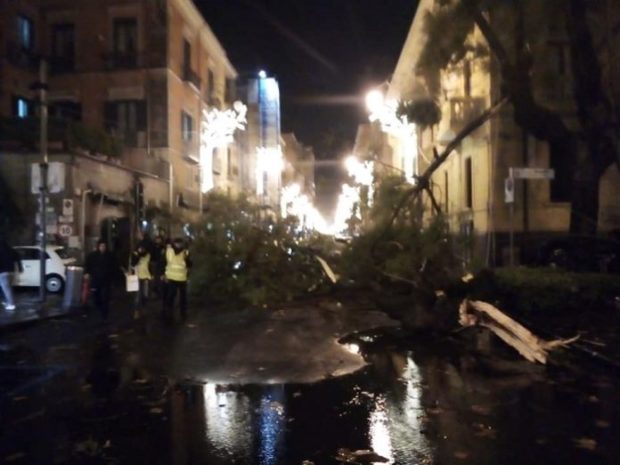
{"x":423,"y":180}
{"x":431,"y":196}
{"x":530,"y":346}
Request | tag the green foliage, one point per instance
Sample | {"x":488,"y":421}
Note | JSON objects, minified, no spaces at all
{"x":423,"y":112}
{"x":239,"y":257}
{"x":409,"y":251}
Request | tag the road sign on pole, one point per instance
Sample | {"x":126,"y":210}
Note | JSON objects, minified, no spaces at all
{"x":532,"y":173}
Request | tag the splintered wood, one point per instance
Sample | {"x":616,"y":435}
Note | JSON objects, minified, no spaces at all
{"x":530,"y":346}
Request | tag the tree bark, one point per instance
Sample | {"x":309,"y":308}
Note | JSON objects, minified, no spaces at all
{"x":596,"y":117}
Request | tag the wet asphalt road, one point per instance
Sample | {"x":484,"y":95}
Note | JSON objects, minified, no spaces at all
{"x":77,"y":392}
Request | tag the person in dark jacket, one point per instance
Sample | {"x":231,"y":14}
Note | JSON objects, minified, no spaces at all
{"x":9,"y":261}
{"x":158,"y":265}
{"x":101,"y":269}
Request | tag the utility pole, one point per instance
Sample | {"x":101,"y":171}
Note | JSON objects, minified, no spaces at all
{"x":42,"y":84}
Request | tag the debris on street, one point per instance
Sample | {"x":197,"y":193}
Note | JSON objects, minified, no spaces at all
{"x":530,"y":346}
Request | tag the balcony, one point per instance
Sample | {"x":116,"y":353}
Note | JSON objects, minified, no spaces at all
{"x":463,"y":110}
{"x":120,"y":61}
{"x":188,"y":199}
{"x":192,"y":78}
{"x":21,"y":57}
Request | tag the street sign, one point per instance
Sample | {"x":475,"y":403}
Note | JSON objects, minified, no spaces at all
{"x":67,"y":207}
{"x":532,"y":173}
{"x":65,"y":230}
{"x":55,"y":177}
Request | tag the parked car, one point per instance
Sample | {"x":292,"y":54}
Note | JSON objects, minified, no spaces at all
{"x":582,"y":253}
{"x":57,"y":259}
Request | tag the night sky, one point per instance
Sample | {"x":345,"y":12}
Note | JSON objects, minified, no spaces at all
{"x":325,"y":54}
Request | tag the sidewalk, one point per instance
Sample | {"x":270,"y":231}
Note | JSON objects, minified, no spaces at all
{"x":29,"y":309}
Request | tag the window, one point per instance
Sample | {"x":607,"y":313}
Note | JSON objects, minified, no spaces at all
{"x":187,"y":126}
{"x":125,"y":42}
{"x":25,"y":33}
{"x":467,"y":78}
{"x":230,"y":90}
{"x":30,"y":254}
{"x":22,"y":108}
{"x":469,"y":192}
{"x":187,"y":57}
{"x":210,"y":86}
{"x":63,"y":48}
{"x":126,"y":118}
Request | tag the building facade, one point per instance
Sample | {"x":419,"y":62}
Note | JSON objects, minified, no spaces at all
{"x":137,"y":75}
{"x":261,"y":144}
{"x":471,"y":185}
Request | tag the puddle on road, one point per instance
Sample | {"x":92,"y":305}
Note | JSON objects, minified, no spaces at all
{"x":430,"y":405}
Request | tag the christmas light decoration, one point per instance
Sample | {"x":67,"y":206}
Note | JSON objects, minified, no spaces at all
{"x":217,"y":130}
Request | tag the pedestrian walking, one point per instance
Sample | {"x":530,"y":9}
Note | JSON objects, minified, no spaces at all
{"x":178,"y":263}
{"x":102,"y":268}
{"x":9,"y":262}
{"x":140,"y":261}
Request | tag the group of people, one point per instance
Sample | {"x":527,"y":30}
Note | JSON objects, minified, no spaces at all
{"x":161,"y":266}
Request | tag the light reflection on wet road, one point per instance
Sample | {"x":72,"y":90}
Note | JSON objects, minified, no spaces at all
{"x":427,"y":403}
{"x":416,"y":410}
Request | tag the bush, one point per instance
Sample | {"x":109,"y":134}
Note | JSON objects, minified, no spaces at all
{"x":538,"y":290}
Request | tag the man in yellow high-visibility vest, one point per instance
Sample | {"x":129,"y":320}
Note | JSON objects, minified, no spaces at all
{"x":140,"y":260}
{"x":178,"y":264}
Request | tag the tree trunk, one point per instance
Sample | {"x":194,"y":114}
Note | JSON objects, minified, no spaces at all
{"x":585,"y":197}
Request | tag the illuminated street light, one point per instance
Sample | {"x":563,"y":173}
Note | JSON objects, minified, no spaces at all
{"x":217,"y":130}
{"x":361,"y":172}
{"x":374,"y":101}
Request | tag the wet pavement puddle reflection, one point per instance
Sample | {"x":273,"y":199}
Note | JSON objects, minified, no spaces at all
{"x":428,"y":404}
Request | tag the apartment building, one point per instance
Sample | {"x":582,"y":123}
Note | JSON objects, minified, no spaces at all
{"x":471,"y":186}
{"x":139,"y":73}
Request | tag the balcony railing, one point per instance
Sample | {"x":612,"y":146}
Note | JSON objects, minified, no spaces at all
{"x":23,"y":134}
{"x":190,"y":76}
{"x":463,"y":110}
{"x":117,"y":60}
